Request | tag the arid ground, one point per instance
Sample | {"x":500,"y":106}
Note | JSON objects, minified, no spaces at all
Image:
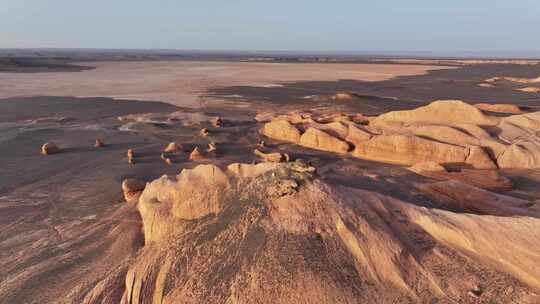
{"x":341,"y":203}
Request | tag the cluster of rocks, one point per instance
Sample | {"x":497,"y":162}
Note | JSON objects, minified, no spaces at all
{"x":449,"y":132}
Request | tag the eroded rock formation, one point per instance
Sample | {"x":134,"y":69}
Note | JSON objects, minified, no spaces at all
{"x":275,"y":233}
{"x":448,"y":132}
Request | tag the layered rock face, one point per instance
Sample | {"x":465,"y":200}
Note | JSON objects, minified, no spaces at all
{"x":449,"y":132}
{"x":276,"y":233}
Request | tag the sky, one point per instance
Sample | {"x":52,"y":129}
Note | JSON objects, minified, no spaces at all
{"x":479,"y":26}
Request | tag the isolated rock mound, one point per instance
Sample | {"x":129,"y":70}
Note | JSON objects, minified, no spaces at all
{"x":274,"y":233}
{"x":49,"y":148}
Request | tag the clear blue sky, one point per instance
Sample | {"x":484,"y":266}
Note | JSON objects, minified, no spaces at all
{"x":346,"y":25}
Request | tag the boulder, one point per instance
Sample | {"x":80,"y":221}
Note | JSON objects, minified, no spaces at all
{"x":212,"y":148}
{"x":196,"y":155}
{"x":173,"y":147}
{"x":132,"y":188}
{"x":131,"y":156}
{"x":409,"y":150}
{"x":49,"y":148}
{"x":445,"y":112}
{"x":99,"y":144}
{"x":217,"y":122}
{"x":320,"y":140}
{"x":342,"y":96}
{"x":281,"y":130}
{"x":204,"y":132}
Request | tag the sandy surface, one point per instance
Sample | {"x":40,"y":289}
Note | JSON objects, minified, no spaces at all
{"x":67,"y":236}
{"x":182,"y":82}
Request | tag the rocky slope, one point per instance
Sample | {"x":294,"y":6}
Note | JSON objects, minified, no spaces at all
{"x":277,"y":233}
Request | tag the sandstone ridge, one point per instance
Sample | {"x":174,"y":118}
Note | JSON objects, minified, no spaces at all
{"x":449,"y":132}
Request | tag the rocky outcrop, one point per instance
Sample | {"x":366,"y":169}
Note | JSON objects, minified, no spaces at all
{"x":270,"y":157}
{"x":320,"y":140}
{"x":500,"y":108}
{"x":196,"y":155}
{"x":444,"y":112}
{"x":268,"y":233}
{"x":281,"y":130}
{"x":427,"y":167}
{"x":356,"y":135}
{"x":173,"y":147}
{"x":132,"y":188}
{"x":409,"y":150}
{"x":99,"y":144}
{"x":534,"y":90}
{"x":451,"y":132}
{"x":342,"y":96}
{"x":49,"y":148}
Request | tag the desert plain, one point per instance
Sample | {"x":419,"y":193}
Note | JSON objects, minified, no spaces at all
{"x":266,"y":182}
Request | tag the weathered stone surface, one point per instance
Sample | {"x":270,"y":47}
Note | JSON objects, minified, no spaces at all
{"x":281,"y":130}
{"x":427,"y":166}
{"x":173,"y":147}
{"x":446,"y":112}
{"x":409,"y":150}
{"x":99,"y":144}
{"x":49,"y":148}
{"x":132,"y":188}
{"x":499,"y":108}
{"x":357,"y":135}
{"x":196,"y":155}
{"x":479,"y":159}
{"x":269,"y":157}
{"x":534,"y":90}
{"x":342,"y":96}
{"x":320,"y":140}
{"x":237,"y":222}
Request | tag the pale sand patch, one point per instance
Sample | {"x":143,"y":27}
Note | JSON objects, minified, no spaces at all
{"x":182,"y":82}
